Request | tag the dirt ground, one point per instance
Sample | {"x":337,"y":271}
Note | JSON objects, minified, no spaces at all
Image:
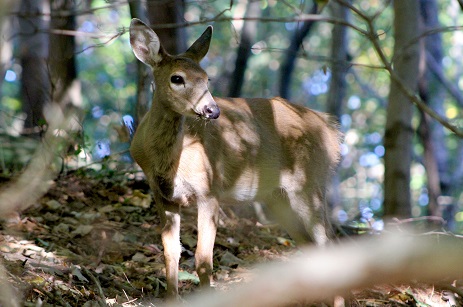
{"x":94,"y":240}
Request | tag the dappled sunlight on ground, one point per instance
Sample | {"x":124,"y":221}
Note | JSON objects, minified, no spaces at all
{"x":93,"y":239}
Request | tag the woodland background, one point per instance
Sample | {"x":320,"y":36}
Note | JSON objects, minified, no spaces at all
{"x":390,"y":71}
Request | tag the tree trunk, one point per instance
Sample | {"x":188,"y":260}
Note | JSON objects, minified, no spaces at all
{"x":144,"y":76}
{"x":248,"y":37}
{"x":35,"y":85}
{"x":430,"y":164}
{"x":399,"y":131}
{"x":337,"y":90}
{"x":66,"y":87}
{"x":291,"y":54}
{"x":163,"y":14}
{"x":433,"y":93}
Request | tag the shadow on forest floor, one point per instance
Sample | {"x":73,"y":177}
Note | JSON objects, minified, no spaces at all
{"x":92,"y":239}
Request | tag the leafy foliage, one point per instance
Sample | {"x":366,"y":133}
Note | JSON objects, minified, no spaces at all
{"x":107,"y":71}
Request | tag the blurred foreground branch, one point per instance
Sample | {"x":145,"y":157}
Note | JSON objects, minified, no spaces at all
{"x":8,"y":296}
{"x":37,"y":177}
{"x":320,"y":274}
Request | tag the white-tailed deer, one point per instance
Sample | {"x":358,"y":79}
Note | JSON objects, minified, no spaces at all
{"x":200,"y":150}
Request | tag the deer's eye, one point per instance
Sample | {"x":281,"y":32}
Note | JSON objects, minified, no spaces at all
{"x":175,"y":79}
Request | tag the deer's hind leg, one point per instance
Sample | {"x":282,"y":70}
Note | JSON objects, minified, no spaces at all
{"x":208,"y":212}
{"x":303,"y":214}
{"x":280,"y":207}
{"x":313,"y":211}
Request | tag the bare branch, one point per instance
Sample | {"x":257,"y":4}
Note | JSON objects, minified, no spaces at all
{"x":414,"y":98}
{"x":451,"y":88}
{"x":109,"y":40}
{"x":425,"y":34}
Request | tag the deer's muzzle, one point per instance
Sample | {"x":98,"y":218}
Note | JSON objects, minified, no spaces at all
{"x":210,"y":111}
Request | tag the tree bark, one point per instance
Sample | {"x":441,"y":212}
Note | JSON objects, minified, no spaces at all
{"x":163,"y":14}
{"x":337,"y":90}
{"x":432,"y":92}
{"x":35,"y":85}
{"x":66,"y":87}
{"x":430,"y":164}
{"x":248,"y":37}
{"x":399,"y":131}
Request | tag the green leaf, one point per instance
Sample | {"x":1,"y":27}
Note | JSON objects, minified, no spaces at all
{"x":185,"y":276}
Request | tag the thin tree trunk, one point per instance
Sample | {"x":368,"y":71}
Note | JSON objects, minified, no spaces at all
{"x":439,"y":180}
{"x":337,"y":90}
{"x":248,"y":37}
{"x":6,"y":45}
{"x":144,"y":76}
{"x":289,"y":62}
{"x":433,"y":46}
{"x":66,"y":87}
{"x":35,"y":85}
{"x":168,"y":12}
{"x":399,"y":131}
{"x":430,"y":164}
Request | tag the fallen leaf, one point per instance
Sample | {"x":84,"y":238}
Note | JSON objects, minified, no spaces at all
{"x":118,"y":237}
{"x":91,"y":304}
{"x":140,"y":257}
{"x":82,"y":230}
{"x":77,"y":273}
{"x":185,"y":276}
{"x":53,"y":204}
{"x":139,"y":199}
{"x":189,"y":240}
{"x":61,"y":228}
{"x":285,"y":242}
{"x":230,"y":260}
{"x":106,"y":209}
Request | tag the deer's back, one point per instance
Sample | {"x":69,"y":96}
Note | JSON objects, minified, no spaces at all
{"x":258,"y":145}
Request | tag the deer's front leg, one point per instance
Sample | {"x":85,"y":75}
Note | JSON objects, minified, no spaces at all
{"x":172,"y":249}
{"x":208,"y":211}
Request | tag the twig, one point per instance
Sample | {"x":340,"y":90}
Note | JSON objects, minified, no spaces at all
{"x":452,"y":288}
{"x":109,"y":40}
{"x":423,"y":35}
{"x":97,"y":283}
{"x":418,"y":219}
{"x":417,"y":101}
{"x":53,"y":296}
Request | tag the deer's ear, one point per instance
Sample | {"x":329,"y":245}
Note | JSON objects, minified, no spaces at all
{"x":200,"y":47}
{"x":145,"y":43}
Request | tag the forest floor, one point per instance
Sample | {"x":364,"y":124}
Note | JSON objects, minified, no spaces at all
{"x":94,"y":240}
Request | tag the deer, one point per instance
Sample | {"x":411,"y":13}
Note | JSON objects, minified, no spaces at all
{"x":199,"y":150}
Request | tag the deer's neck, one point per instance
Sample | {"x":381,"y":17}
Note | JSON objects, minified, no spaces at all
{"x":165,"y":145}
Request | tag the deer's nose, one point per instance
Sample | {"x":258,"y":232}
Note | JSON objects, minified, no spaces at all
{"x":211,"y":111}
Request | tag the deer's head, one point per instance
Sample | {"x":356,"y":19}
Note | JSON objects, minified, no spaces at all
{"x":181,"y":83}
